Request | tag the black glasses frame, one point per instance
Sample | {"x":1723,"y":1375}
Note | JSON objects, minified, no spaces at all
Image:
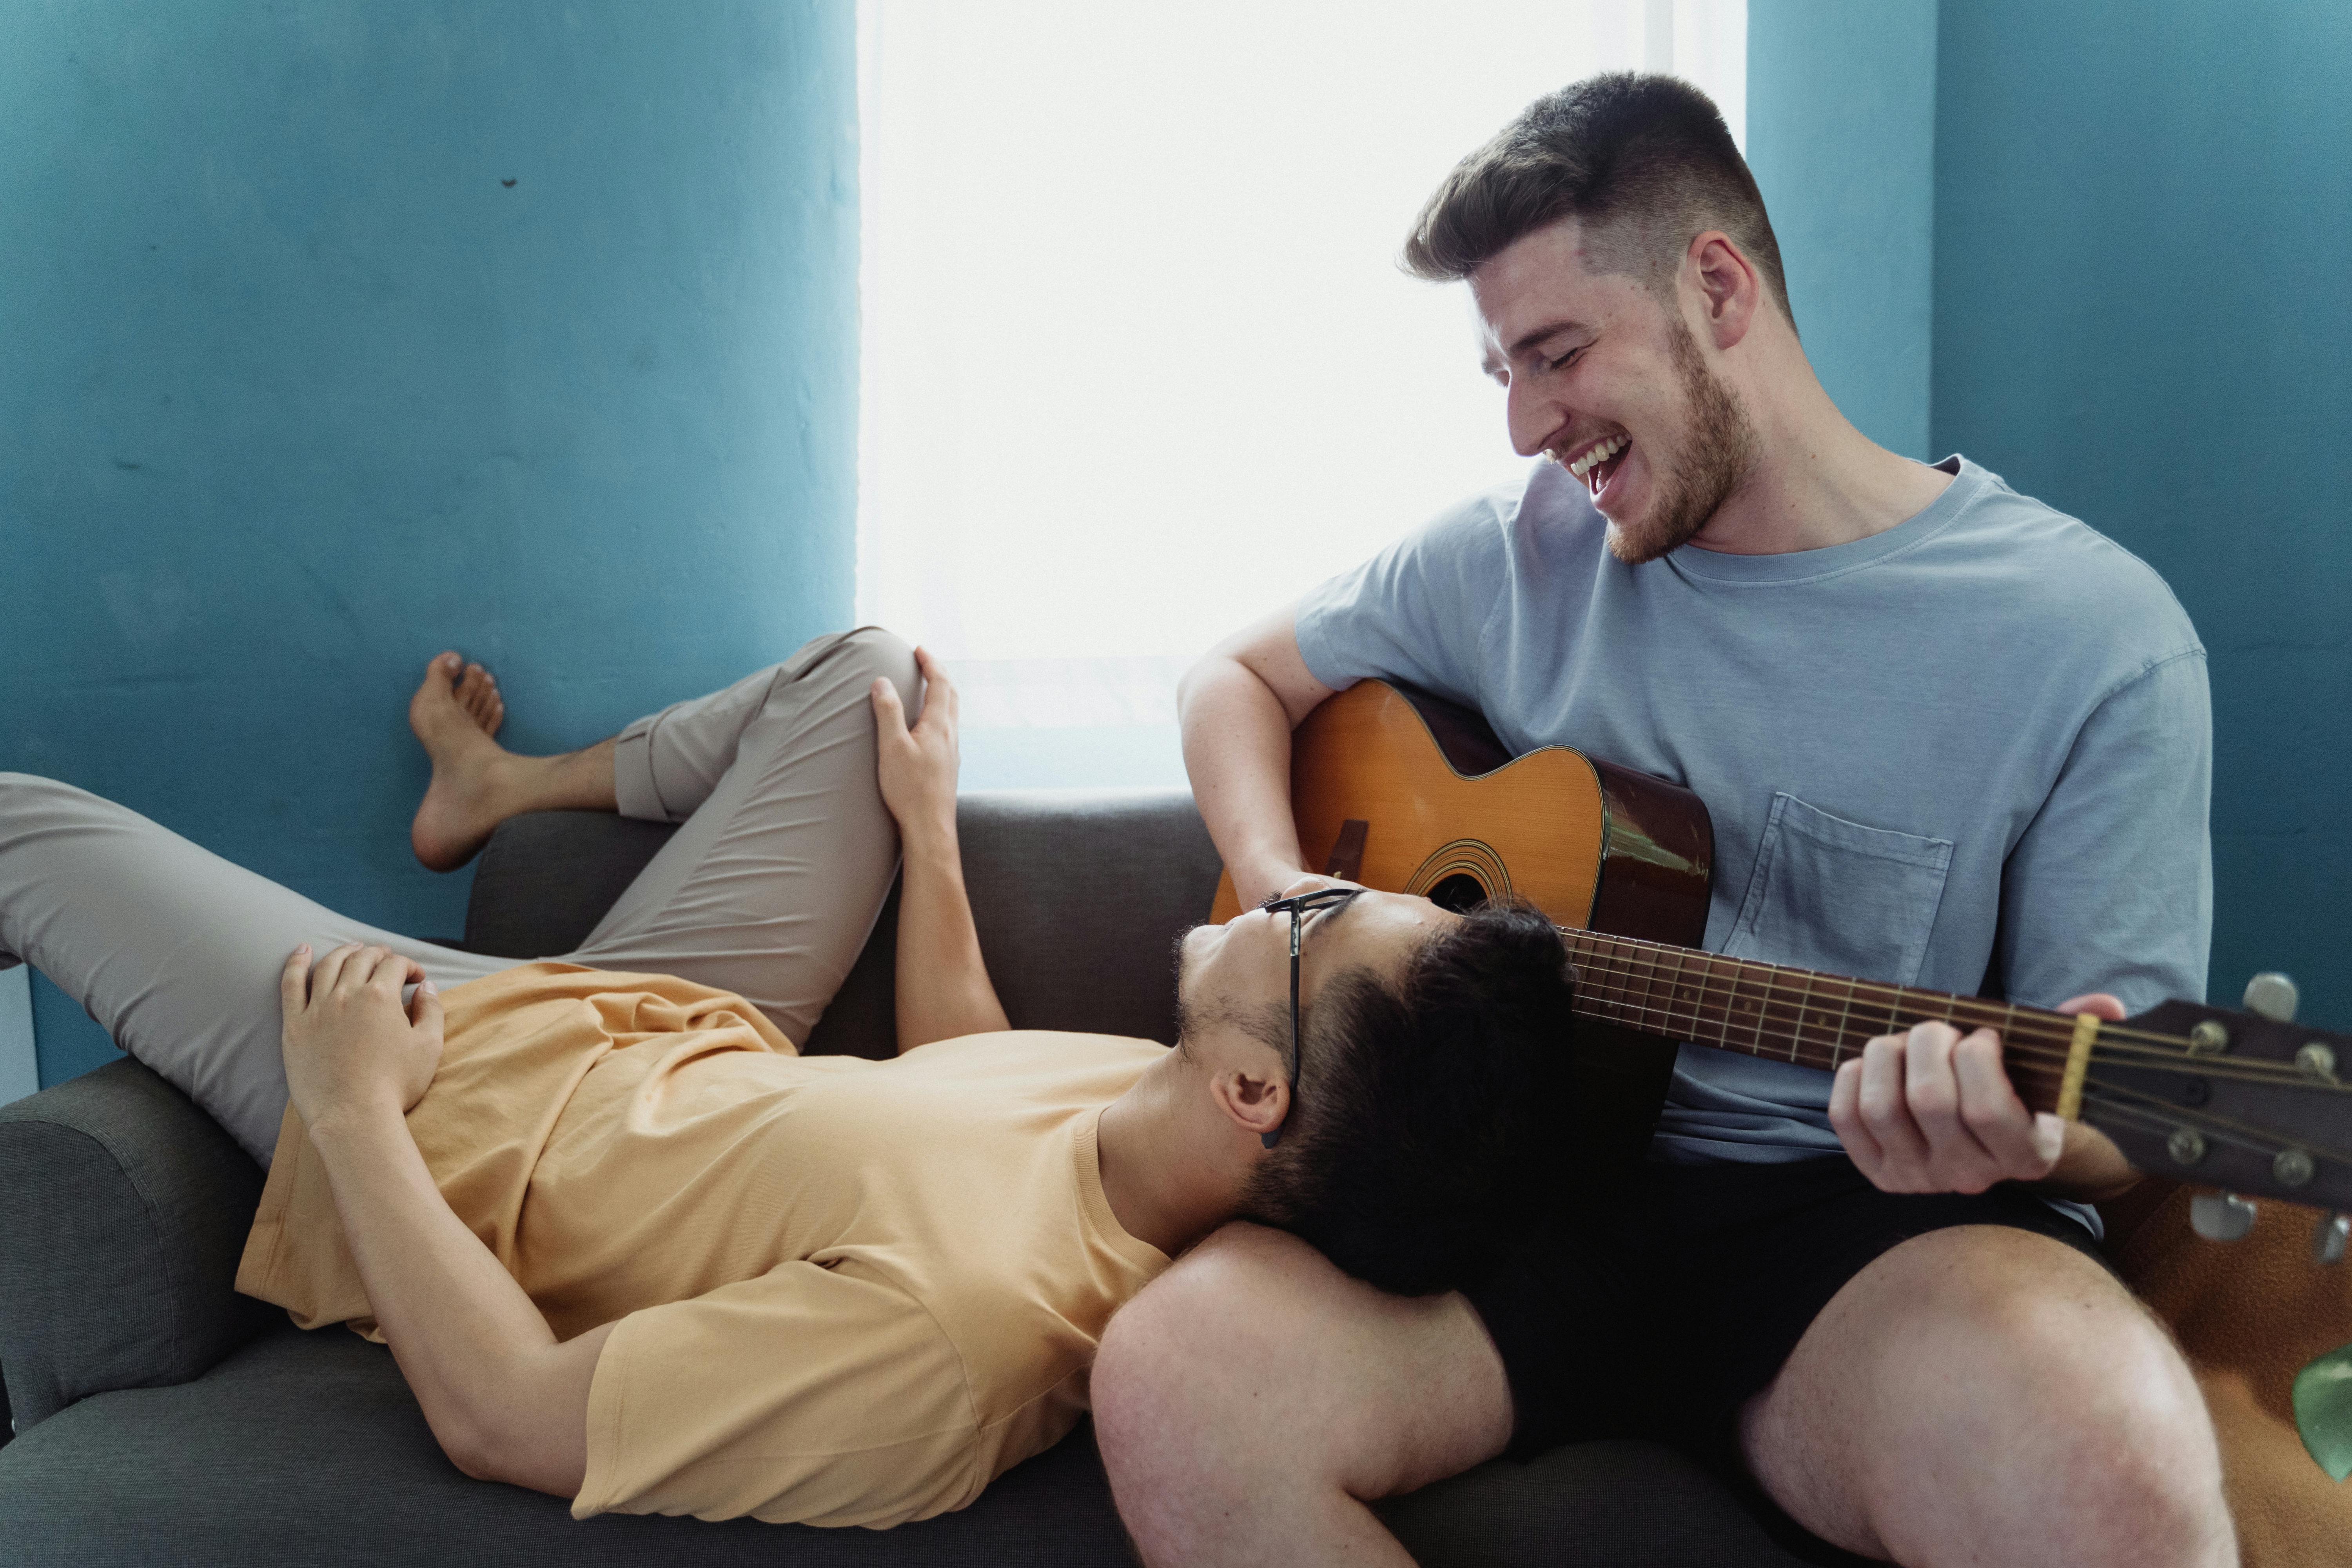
{"x":1298,"y":907}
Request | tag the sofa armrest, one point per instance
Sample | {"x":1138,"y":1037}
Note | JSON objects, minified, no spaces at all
{"x":123,"y":1211}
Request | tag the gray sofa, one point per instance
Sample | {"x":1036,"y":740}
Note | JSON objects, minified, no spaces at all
{"x":160,"y":1418}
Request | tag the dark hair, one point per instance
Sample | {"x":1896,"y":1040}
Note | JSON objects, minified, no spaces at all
{"x":1645,"y":161}
{"x":1433,"y":1132}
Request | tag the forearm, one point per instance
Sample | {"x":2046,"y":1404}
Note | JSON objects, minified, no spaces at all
{"x":1236,"y":735}
{"x":505,"y":1400}
{"x":943,"y":989}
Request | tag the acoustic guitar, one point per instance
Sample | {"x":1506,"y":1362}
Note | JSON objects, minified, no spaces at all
{"x":1410,"y":794}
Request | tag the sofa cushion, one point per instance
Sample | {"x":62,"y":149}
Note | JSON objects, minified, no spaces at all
{"x":127,"y":1208}
{"x":546,"y":877}
{"x":308,"y":1448}
{"x":1079,"y":896}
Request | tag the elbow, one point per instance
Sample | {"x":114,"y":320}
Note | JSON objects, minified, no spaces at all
{"x":484,"y":1454}
{"x":471,"y":1450}
{"x":479,"y":1449}
{"x":1220,"y":685}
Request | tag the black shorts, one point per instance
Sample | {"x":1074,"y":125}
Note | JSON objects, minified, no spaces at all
{"x":1660,"y":1301}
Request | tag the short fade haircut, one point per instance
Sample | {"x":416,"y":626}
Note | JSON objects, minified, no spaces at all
{"x":1434,"y":1131}
{"x":1644,"y":162}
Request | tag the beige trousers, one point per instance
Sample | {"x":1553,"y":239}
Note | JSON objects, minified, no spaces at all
{"x":769,"y":891}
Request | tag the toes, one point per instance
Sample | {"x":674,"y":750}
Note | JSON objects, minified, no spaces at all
{"x":477,"y":691}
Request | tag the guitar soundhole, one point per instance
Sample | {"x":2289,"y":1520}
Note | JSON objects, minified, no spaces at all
{"x":1459,"y":892}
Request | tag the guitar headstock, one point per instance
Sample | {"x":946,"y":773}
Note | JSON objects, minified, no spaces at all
{"x":2245,"y":1099}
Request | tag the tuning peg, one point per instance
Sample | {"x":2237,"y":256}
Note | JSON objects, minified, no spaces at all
{"x":2221,"y":1217}
{"x":2274,"y":996}
{"x":2328,"y":1239}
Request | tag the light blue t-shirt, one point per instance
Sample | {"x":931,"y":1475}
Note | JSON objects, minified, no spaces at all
{"x":1972,"y":752}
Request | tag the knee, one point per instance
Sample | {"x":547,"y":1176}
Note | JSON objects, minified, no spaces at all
{"x":1198,"y":1402}
{"x":2120,"y":1432}
{"x":845,"y":663}
{"x":1178,"y":1368}
{"x":25,"y":793}
{"x":832,"y":674}
{"x":873,"y":651}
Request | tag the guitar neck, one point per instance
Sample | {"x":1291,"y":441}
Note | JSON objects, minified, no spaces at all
{"x":1799,"y":1016}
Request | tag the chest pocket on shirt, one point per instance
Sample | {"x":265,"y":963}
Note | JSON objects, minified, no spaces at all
{"x":1831,"y":894}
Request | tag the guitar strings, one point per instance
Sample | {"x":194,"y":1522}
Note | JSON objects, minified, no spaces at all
{"x":1624,"y":989}
{"x":1687,"y":1023}
{"x":1708,"y":989}
{"x":1631,"y":949}
{"x":2052,"y":1048}
{"x":2127,"y":1101}
{"x":1826,"y":1054}
{"x":1830,"y":1055}
{"x":2235,"y":1131}
{"x":2158,"y":1052}
{"x":2050,"y":1062}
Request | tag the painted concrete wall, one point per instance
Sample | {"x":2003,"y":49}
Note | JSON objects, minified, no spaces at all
{"x":2142,"y":212}
{"x":1841,"y":140}
{"x":341,"y":333}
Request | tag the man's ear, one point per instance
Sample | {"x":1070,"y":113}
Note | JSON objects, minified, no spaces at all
{"x":1254,"y":1099}
{"x":1728,"y":289}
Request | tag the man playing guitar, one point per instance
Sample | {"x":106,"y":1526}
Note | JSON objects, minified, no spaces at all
{"x":1947,"y":736}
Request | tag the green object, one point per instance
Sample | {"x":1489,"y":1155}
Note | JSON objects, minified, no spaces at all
{"x":2322,"y":1410}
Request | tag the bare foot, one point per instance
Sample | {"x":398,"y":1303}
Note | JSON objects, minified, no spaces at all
{"x":455,"y":712}
{"x":478,"y":693}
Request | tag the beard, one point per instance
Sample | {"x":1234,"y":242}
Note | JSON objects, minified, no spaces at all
{"x":1197,"y":1014}
{"x":1718,"y":451}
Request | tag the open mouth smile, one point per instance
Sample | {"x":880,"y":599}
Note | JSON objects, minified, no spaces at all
{"x":1597,"y":463}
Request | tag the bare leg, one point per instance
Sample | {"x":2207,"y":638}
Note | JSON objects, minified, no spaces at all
{"x":1253,"y":1399}
{"x":478,"y":784}
{"x":1982,"y":1395}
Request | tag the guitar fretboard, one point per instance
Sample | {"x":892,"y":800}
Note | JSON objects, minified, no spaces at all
{"x":1771,"y":1010}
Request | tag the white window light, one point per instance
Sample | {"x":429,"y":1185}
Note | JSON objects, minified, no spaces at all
{"x":1138,"y":364}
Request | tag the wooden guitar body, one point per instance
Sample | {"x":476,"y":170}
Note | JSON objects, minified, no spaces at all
{"x":1449,"y":814}
{"x":1405,"y":792}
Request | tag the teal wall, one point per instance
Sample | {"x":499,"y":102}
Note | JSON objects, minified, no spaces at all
{"x":1841,"y":140}
{"x":2138,"y":215}
{"x":2143,"y":213}
{"x":339,"y":333}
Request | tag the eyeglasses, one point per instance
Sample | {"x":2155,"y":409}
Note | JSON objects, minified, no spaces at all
{"x":1299,"y":908}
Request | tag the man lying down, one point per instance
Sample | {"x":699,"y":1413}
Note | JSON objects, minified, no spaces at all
{"x":629,"y":1246}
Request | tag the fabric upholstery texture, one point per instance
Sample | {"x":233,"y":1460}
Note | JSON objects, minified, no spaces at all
{"x":168,"y":1420}
{"x":1079,"y":897}
{"x":125,"y":1210}
{"x":546,"y":877}
{"x":308,"y":1448}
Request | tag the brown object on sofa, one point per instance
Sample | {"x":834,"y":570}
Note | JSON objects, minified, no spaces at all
{"x":2250,"y":1314}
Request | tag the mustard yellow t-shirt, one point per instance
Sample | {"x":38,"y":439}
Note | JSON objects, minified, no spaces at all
{"x":848,"y":1291}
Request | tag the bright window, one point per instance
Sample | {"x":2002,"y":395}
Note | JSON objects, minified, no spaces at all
{"x":1138,"y":365}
